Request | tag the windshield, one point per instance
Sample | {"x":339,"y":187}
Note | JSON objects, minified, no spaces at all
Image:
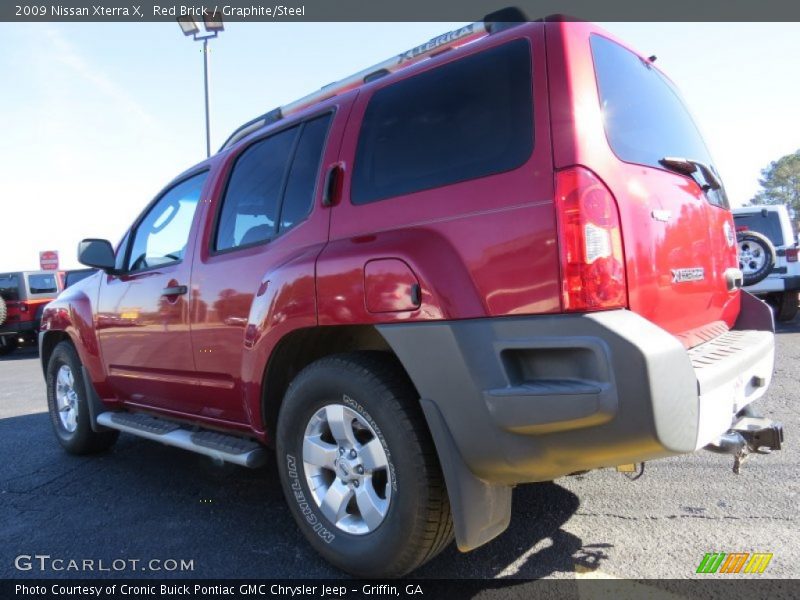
{"x":9,"y":287}
{"x":644,"y":115}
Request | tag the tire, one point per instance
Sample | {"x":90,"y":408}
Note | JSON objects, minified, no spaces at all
{"x":8,"y":344}
{"x":408,"y":519}
{"x":756,"y":256}
{"x":65,"y":389}
{"x":786,"y":306}
{"x":3,"y":311}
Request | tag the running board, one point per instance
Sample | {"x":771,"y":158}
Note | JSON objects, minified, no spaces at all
{"x":228,"y":448}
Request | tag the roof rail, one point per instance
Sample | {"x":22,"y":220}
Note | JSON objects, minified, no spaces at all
{"x":491,"y":23}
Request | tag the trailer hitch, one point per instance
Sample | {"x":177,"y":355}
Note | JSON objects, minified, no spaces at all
{"x":749,"y":435}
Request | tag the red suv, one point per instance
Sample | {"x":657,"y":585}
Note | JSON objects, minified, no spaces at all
{"x":501,"y":257}
{"x":23,"y":296}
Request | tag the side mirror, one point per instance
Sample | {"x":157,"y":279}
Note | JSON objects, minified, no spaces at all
{"x":98,"y":254}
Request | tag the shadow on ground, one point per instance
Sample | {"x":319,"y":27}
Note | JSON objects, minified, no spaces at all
{"x":145,"y":501}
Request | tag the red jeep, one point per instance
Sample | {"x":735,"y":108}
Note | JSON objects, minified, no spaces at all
{"x":23,"y":296}
{"x":501,"y":257}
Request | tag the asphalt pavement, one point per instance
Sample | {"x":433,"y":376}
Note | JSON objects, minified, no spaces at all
{"x":146,"y":502}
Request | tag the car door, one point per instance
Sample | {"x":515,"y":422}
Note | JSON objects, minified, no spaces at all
{"x":253,"y":278}
{"x":142,"y":314}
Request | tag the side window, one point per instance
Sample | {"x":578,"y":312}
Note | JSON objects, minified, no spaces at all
{"x":42,"y":284}
{"x":250,"y":206}
{"x":161,"y":237}
{"x":466,"y":119}
{"x":301,"y":185}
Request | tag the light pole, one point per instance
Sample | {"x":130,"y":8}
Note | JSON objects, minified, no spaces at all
{"x":213,"y":25}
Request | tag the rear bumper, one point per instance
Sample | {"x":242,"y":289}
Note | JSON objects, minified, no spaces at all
{"x":522,"y":399}
{"x":771,"y":285}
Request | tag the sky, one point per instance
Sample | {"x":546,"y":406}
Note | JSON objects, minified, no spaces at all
{"x":99,"y":117}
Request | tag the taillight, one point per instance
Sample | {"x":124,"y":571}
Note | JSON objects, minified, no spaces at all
{"x":22,"y":307}
{"x":791,"y":255}
{"x":592,"y":262}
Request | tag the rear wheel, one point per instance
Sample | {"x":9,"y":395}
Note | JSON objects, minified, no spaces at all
{"x":786,"y":308}
{"x":358,"y":466}
{"x":756,"y":256}
{"x":68,"y":405}
{"x":8,"y":344}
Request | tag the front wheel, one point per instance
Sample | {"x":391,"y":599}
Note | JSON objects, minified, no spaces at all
{"x":68,"y":405}
{"x":358,"y":466}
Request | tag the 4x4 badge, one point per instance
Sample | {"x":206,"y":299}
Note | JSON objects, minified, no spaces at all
{"x":683,"y":275}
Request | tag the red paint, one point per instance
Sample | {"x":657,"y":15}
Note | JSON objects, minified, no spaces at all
{"x":489,"y":247}
{"x":390,"y":286}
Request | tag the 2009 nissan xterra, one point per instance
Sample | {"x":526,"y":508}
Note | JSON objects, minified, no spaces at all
{"x":502,"y":257}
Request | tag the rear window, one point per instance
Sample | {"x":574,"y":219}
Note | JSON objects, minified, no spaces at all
{"x":9,"y":287}
{"x":467,"y":119}
{"x":644,"y":115}
{"x":42,"y":284}
{"x":768,"y":224}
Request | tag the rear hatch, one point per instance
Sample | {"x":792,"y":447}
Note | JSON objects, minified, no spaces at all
{"x":677,"y":230}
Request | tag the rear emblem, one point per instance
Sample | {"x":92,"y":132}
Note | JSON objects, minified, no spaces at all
{"x":684,"y":275}
{"x":661,"y":215}
{"x":731,"y":239}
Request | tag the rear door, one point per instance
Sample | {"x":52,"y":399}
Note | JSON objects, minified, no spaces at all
{"x":678,"y":238}
{"x":253,"y":278}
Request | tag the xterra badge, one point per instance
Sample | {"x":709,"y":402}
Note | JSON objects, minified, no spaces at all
{"x":683,"y":275}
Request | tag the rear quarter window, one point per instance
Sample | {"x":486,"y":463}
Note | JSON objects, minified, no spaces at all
{"x":467,"y":119}
{"x":42,"y":284}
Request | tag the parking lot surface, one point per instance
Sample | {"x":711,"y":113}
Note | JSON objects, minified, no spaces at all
{"x":144,"y":501}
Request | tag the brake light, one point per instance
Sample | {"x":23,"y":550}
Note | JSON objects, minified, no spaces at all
{"x":791,"y":255}
{"x":22,"y":307}
{"x":592,"y":262}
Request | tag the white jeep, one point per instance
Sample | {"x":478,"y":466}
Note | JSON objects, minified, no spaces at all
{"x":779,"y":287}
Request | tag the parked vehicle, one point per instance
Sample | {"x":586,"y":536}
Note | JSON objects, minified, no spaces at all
{"x":437,"y":279}
{"x":769,"y":253}
{"x":23,"y":295}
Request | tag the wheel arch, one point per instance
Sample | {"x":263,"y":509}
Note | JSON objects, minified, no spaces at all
{"x":300,"y":348}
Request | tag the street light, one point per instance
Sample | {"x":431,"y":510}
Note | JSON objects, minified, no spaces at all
{"x":212,"y":23}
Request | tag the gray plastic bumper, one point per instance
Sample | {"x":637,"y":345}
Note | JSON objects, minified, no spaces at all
{"x":522,"y":399}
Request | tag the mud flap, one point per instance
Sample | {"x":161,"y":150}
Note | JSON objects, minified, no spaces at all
{"x":481,"y":511}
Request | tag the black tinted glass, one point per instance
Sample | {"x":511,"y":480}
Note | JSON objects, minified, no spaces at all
{"x":768,"y":225}
{"x":42,"y":284}
{"x":9,"y":287}
{"x":466,"y":119}
{"x":254,"y":188}
{"x":303,"y":174}
{"x":644,"y":115}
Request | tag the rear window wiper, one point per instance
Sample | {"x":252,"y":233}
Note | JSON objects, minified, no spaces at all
{"x":688,"y":166}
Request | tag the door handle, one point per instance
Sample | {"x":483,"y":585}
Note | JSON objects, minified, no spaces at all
{"x":175,"y":290}
{"x":330,"y":188}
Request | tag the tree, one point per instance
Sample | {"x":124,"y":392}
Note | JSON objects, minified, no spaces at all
{"x":780,"y":183}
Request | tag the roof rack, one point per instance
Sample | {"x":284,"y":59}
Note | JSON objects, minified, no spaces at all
{"x":491,"y":23}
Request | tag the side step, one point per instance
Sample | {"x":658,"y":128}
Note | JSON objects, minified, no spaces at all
{"x":229,"y":448}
